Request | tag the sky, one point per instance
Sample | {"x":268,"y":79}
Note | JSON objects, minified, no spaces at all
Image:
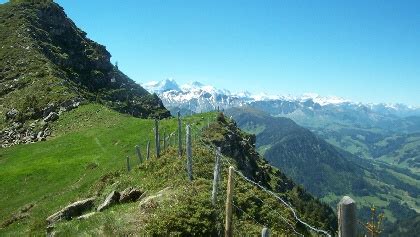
{"x":366,"y":51}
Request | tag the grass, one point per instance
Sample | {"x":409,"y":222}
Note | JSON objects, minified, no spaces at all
{"x":86,"y":157}
{"x":89,"y":142}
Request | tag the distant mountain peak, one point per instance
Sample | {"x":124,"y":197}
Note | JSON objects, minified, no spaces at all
{"x":197,"y":97}
{"x":161,"y":86}
{"x":324,"y":100}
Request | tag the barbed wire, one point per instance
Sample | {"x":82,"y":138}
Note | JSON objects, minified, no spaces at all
{"x":285,"y":203}
{"x":237,"y":207}
{"x":280,"y":215}
{"x":296,"y":217}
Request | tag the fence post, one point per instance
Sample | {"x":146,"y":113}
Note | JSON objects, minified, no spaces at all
{"x":347,"y":222}
{"x":229,"y":199}
{"x":179,"y":135}
{"x":138,"y":153}
{"x":216,"y":176}
{"x":164,"y":140}
{"x":128,"y":164}
{"x":157,"y":142}
{"x":189,"y":153}
{"x":265,"y":232}
{"x":174,"y":139}
{"x":148,"y":150}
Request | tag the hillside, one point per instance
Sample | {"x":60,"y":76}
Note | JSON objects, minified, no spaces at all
{"x":48,"y":65}
{"x":87,"y":159}
{"x":329,"y":172}
{"x":386,"y":132}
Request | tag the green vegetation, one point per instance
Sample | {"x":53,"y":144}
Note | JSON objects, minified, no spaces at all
{"x":329,"y":172}
{"x":86,"y":157}
{"x":46,"y":59}
{"x":396,"y":141}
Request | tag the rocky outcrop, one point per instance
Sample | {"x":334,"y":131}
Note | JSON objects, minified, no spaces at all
{"x":71,"y":211}
{"x":48,"y":66}
{"x":112,"y":199}
{"x":86,"y":216}
{"x":130,"y":195}
{"x":52,"y":116}
{"x":23,"y":133}
{"x":12,"y":114}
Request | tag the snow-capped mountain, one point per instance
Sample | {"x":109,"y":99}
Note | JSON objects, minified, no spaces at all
{"x":196,"y":97}
{"x":159,"y":87}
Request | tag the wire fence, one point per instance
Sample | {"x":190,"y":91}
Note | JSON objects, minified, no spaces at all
{"x":196,"y":132}
{"x":271,"y":193}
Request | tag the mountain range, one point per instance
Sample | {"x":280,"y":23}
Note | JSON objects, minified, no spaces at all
{"x":197,"y":97}
{"x":87,"y":127}
{"x":93,"y":174}
{"x":328,"y":171}
{"x":388,"y":132}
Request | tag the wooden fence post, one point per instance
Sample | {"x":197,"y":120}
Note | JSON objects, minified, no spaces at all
{"x":265,"y":232}
{"x":179,"y":135}
{"x":157,"y":140}
{"x":174,"y":139}
{"x":216,"y":176}
{"x":164,"y":140}
{"x":139,"y":153}
{"x":148,"y":150}
{"x":189,"y":153}
{"x":347,"y":221}
{"x":229,"y":200}
{"x":173,"y":142}
{"x":128,"y":164}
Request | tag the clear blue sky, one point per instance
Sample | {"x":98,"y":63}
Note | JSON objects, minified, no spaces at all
{"x":366,"y":51}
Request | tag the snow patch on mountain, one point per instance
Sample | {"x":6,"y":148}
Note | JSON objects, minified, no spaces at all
{"x":198,"y":97}
{"x":324,"y":100}
{"x":159,"y":87}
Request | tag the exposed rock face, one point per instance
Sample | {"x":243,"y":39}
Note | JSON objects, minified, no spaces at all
{"x":73,"y":210}
{"x":86,"y":216}
{"x":48,"y":65}
{"x":112,"y":199}
{"x":51,"y":117}
{"x":12,"y":114}
{"x":130,"y":195}
{"x":235,"y":144}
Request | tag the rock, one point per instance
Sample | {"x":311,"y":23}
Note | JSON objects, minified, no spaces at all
{"x":50,"y":231}
{"x":12,"y":114}
{"x":73,"y":210}
{"x":51,"y":117}
{"x":51,"y":107}
{"x":69,"y":105}
{"x":130,"y":195}
{"x":86,"y":216}
{"x":153,"y":201}
{"x":111,"y":199}
{"x":17,"y":125}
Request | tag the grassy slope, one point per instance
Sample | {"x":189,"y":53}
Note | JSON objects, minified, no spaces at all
{"x":52,"y":173}
{"x":87,"y":158}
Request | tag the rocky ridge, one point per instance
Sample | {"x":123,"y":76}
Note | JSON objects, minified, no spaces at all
{"x":49,"y":65}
